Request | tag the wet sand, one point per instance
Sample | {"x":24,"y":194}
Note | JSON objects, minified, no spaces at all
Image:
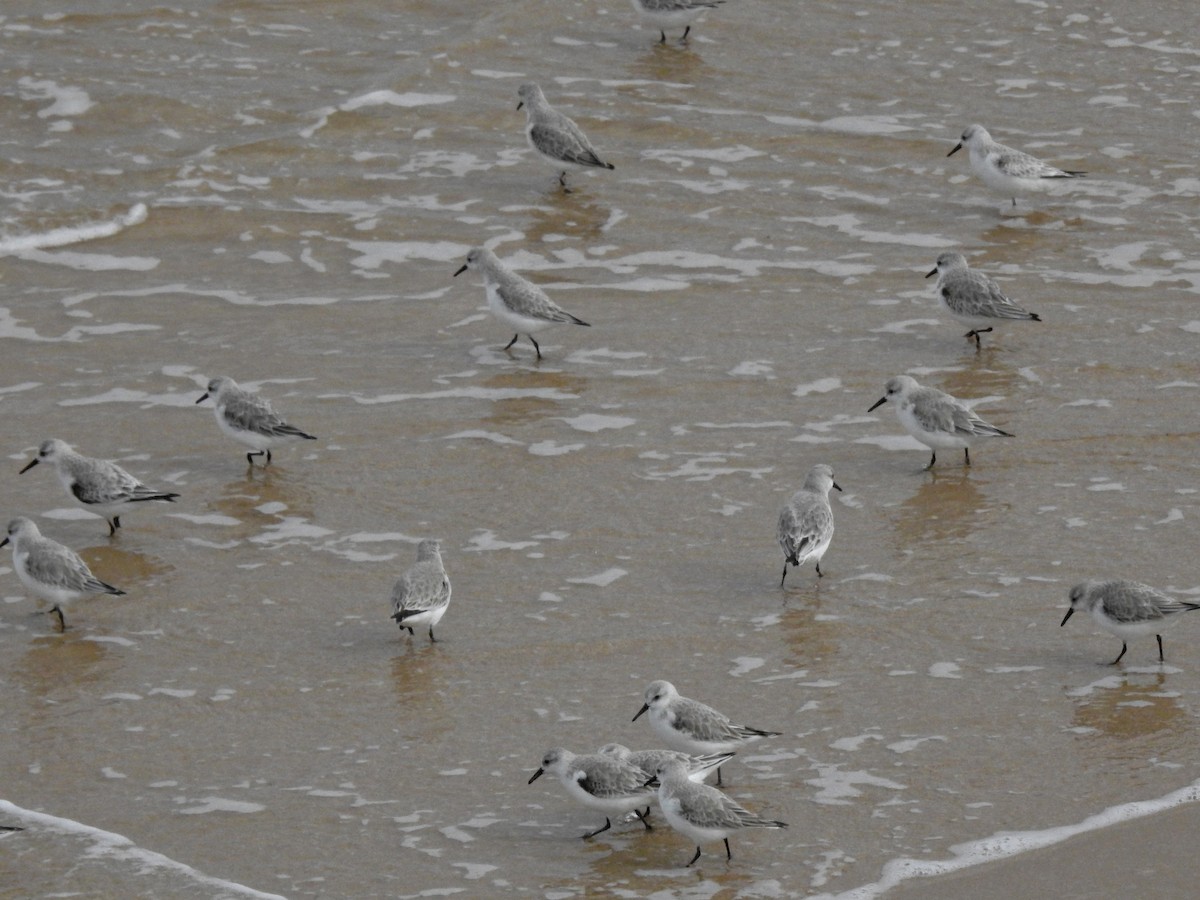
{"x":1142,"y":858}
{"x":753,"y":272}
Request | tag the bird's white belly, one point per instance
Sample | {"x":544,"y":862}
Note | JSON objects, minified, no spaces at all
{"x":610,"y":805}
{"x":675,"y":739}
{"x":55,"y":595}
{"x":515,"y":321}
{"x":428,"y":617}
{"x":249,"y":438}
{"x":1129,"y":630}
{"x":993,"y":177}
{"x":965,"y":317}
{"x":932,"y":439}
{"x":698,"y":833}
{"x":819,"y":550}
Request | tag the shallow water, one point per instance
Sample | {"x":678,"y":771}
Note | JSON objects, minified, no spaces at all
{"x":281,"y":193}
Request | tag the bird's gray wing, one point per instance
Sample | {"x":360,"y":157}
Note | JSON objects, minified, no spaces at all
{"x":605,"y":777}
{"x":707,"y":807}
{"x":563,"y":139}
{"x":105,"y":482}
{"x":1139,"y":603}
{"x":526,"y":299}
{"x":422,"y":587}
{"x":700,"y":721}
{"x":52,"y":563}
{"x":802,"y":526}
{"x":249,"y":413}
{"x":937,"y":411}
{"x":995,"y":301}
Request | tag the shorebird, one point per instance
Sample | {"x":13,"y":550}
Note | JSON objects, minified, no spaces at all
{"x":935,"y":418}
{"x":514,"y":301}
{"x":555,"y":137}
{"x":249,"y":419}
{"x":97,"y":485}
{"x":1005,"y":169}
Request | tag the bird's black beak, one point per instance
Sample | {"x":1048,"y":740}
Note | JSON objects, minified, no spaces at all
{"x":931,"y":274}
{"x":878,"y":403}
{"x":29,"y":465}
{"x":653,"y":782}
{"x":536,"y":776}
{"x":957,"y":147}
{"x":1067,"y":616}
{"x":519,"y":105}
{"x":645,"y":706}
{"x":835,"y":484}
{"x":4,"y":542}
{"x":460,"y":271}
{"x":203,"y":397}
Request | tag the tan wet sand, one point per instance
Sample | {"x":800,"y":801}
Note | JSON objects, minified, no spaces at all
{"x":1147,"y":857}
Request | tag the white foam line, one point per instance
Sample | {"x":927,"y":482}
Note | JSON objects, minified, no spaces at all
{"x":1012,"y":843}
{"x":121,"y":848}
{"x":61,"y":237}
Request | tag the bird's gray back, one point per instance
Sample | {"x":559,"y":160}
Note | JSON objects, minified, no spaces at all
{"x":423,"y":586}
{"x":701,"y":722}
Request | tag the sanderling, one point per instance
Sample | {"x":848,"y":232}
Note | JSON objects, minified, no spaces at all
{"x":972,"y":297}
{"x":664,"y":14}
{"x":555,"y":137}
{"x":422,"y":593}
{"x":600,"y":781}
{"x":935,"y":418}
{"x":806,"y":522}
{"x":515,"y":302}
{"x":698,"y":767}
{"x":97,"y":485}
{"x":52,"y":571}
{"x":248,"y":418}
{"x":692,"y":727}
{"x":1128,"y":609}
{"x":702,"y":813}
{"x":1005,"y":169}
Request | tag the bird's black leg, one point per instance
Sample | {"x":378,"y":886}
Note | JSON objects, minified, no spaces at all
{"x":645,"y":818}
{"x":562,"y":181}
{"x":535,"y":346}
{"x":1124,"y":647}
{"x":932,"y":460}
{"x":694,"y":858}
{"x":607,"y":825}
{"x":718,"y":776}
{"x":664,"y":36}
{"x":819,"y":575}
{"x":113,"y":524}
{"x":784,"y":576}
{"x":268,"y":456}
{"x":967,"y":454}
{"x":685,"y":34}
{"x":513,"y":341}
{"x":1160,"y":653}
{"x":728,"y":852}
{"x":432,"y":639}
{"x":62,"y":625}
